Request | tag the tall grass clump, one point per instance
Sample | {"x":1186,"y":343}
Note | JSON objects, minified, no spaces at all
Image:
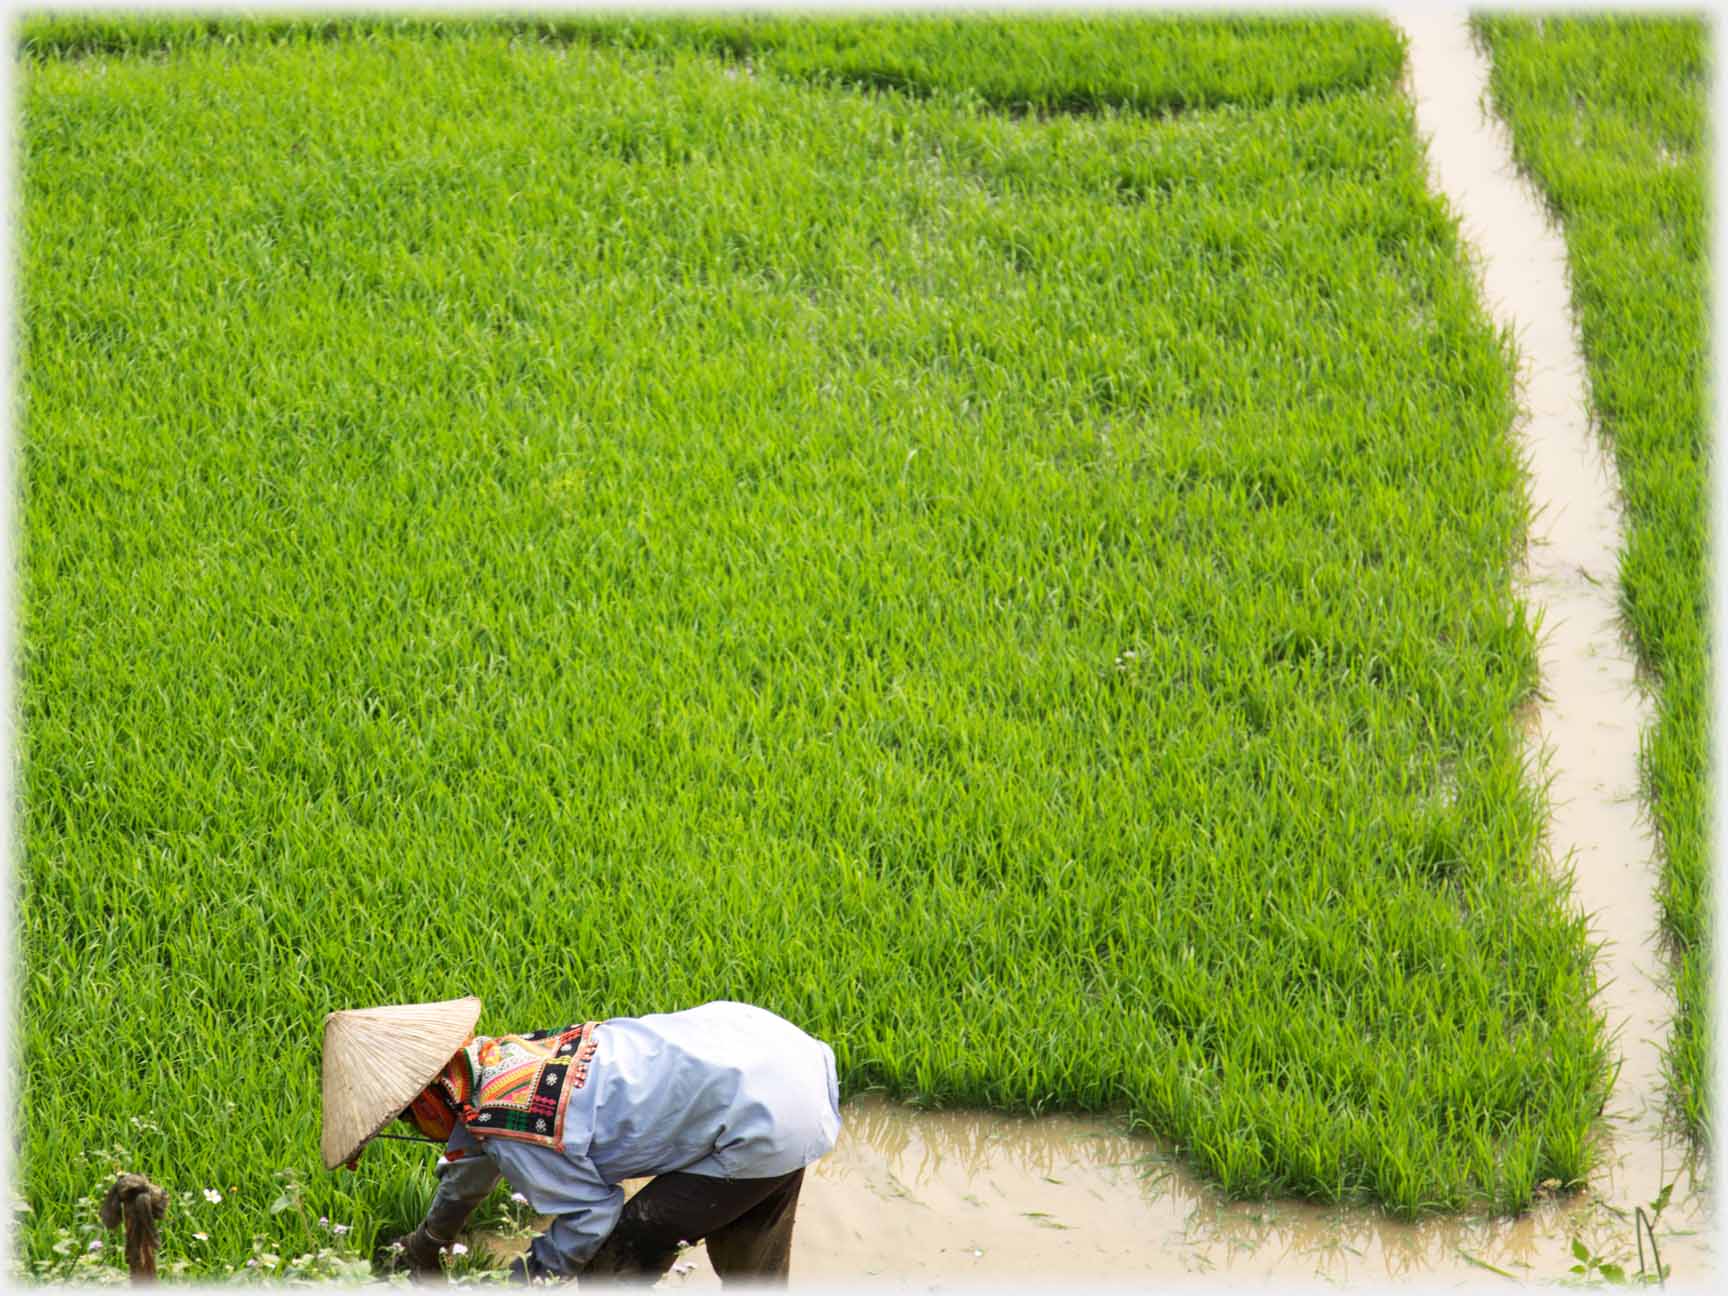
{"x":603,"y":525}
{"x":1608,"y":116}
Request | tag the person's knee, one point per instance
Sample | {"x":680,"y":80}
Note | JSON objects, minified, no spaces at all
{"x":629,"y":1254}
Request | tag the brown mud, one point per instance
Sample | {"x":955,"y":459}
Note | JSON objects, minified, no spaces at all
{"x":955,"y":1199}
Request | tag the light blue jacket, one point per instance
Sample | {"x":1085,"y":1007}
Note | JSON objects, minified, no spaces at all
{"x":727,"y":1090}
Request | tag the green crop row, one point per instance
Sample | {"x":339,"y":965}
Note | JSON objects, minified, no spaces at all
{"x":1027,"y":596}
{"x":1104,"y":61}
{"x":1609,"y":115}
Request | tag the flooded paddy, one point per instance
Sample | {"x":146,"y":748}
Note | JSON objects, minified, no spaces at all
{"x":952,"y":1199}
{"x":933,"y":1198}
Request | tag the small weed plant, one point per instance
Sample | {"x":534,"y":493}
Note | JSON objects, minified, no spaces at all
{"x":1592,"y":1267}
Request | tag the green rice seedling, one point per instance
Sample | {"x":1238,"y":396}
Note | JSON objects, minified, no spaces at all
{"x":1620,"y":155}
{"x":1087,"y":63}
{"x":1026,"y":594}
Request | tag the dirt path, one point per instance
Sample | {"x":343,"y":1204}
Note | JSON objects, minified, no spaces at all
{"x":956,"y":1199}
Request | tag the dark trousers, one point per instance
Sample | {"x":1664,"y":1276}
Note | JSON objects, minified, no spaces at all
{"x":747,"y":1224}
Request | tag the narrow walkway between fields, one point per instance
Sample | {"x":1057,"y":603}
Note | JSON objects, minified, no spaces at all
{"x":1592,"y":714}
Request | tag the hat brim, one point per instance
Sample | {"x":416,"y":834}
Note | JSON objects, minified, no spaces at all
{"x":377,"y":1059}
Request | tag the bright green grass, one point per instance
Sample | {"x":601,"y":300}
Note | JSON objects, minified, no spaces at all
{"x":1075,"y":63}
{"x":1030,"y":600}
{"x":1609,"y":115}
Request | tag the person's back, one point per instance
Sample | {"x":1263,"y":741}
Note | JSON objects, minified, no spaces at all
{"x":727,"y":1089}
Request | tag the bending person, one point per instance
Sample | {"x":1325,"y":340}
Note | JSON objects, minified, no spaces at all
{"x":723,"y":1105}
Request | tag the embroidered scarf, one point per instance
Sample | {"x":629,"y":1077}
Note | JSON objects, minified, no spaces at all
{"x":516,"y":1086}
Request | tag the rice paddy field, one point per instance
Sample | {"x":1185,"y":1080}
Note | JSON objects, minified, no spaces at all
{"x":1014,"y":573}
{"x":1625,"y":168}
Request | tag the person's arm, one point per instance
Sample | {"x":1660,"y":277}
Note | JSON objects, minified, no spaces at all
{"x":465,"y":1176}
{"x":584,"y":1208}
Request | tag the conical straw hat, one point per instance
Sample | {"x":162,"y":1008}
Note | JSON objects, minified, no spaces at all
{"x":377,"y":1059}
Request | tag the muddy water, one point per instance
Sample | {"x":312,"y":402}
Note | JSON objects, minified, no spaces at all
{"x":1588,"y":727}
{"x":960,"y":1199}
{"x":947,"y":1199}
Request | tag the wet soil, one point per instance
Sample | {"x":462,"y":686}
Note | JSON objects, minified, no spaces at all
{"x":945,"y":1199}
{"x":957,"y":1199}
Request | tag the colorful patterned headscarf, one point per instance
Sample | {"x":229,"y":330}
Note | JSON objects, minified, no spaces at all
{"x":431,"y":1113}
